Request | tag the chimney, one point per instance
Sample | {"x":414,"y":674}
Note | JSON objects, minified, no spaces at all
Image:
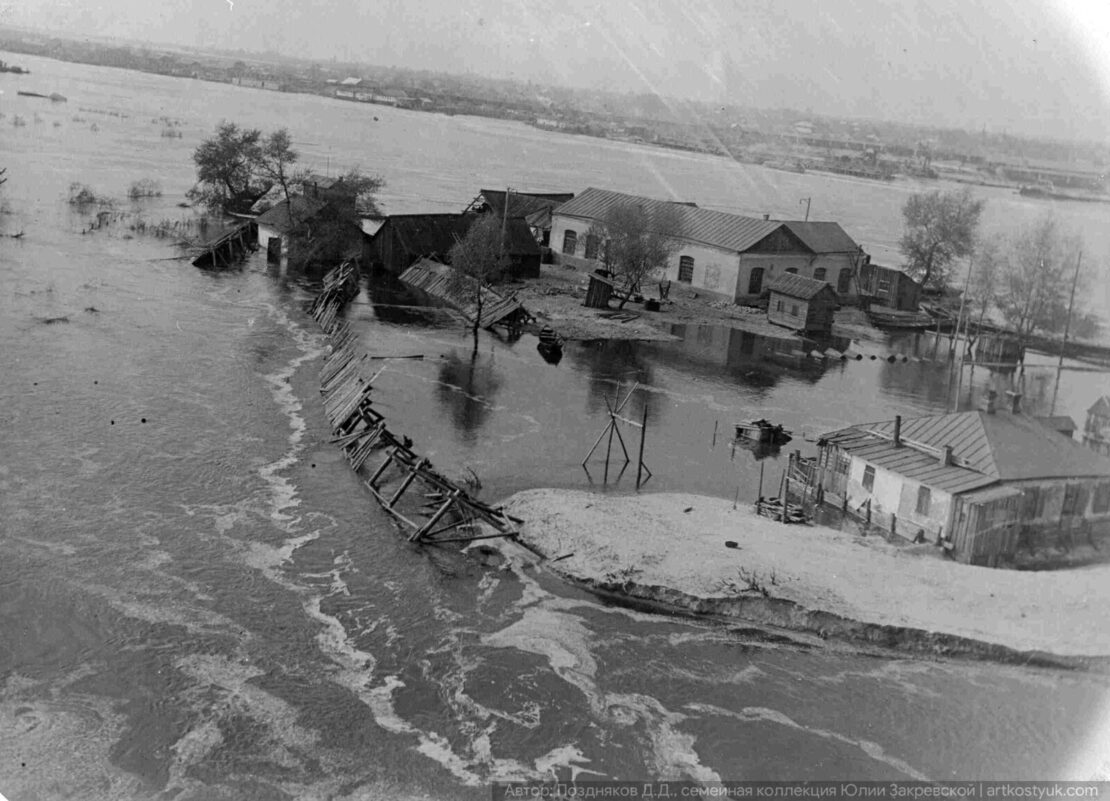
{"x":1015,"y":401}
{"x":989,"y":404}
{"x":766,"y":216}
{"x":898,"y":431}
{"x":946,"y":455}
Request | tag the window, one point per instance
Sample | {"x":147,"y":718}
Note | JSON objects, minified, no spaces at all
{"x":686,"y":269}
{"x":1074,"y":500}
{"x":570,"y":242}
{"x":1101,"y":502}
{"x":779,"y":305}
{"x":1032,"y":504}
{"x":591,"y":246}
{"x":819,"y":274}
{"x":844,"y":282}
{"x":869,"y":478}
{"x":843,"y":462}
{"x":794,"y":309}
{"x":884,"y":285}
{"x":792,"y":270}
{"x":924,"y":500}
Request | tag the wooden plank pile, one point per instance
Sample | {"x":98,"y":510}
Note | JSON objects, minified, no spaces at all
{"x":444,"y":511}
{"x":434,"y":278}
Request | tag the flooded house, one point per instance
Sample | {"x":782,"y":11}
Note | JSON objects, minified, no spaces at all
{"x":532,"y":207}
{"x":801,"y":304}
{"x":987,"y":484}
{"x":727,"y":255}
{"x":404,"y":239}
{"x":280,"y":220}
{"x":888,"y":287}
{"x":1096,"y":430}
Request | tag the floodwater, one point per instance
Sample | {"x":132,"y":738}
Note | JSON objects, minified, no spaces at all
{"x":198,"y":600}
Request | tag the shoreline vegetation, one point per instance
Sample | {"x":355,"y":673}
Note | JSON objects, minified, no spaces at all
{"x":666,"y":553}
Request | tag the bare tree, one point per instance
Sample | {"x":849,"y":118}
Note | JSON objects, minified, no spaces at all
{"x":277,"y":161}
{"x":636,"y":243}
{"x":1036,"y":279}
{"x":940,"y":227}
{"x":476,"y":260}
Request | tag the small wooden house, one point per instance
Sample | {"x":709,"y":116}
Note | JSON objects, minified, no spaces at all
{"x":1096,"y":431}
{"x":886,"y":286}
{"x":801,"y":304}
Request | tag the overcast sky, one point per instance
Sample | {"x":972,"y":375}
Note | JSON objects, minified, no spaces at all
{"x":1026,"y":66}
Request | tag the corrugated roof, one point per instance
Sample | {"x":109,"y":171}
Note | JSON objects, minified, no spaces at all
{"x":716,"y":228}
{"x":1000,"y":446}
{"x":798,"y":286}
{"x":823,"y":237}
{"x":907,"y":461}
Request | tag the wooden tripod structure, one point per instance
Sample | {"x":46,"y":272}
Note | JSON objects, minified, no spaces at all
{"x":612,"y":427}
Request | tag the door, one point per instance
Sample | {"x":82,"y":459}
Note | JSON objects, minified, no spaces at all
{"x":755,"y":282}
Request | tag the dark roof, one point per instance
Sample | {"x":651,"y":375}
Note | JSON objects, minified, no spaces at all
{"x":428,"y":234}
{"x":521,"y":204}
{"x":999,"y":446}
{"x":823,"y":237}
{"x":288,"y":214}
{"x":798,"y":286}
{"x":1101,"y":406}
{"x":716,"y":228}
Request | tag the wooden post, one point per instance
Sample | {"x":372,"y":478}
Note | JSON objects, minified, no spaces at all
{"x":760,"y":495}
{"x":609,"y":446}
{"x":411,"y":477}
{"x":381,"y":469}
{"x":868,"y":511}
{"x":643,"y":433}
{"x":893,"y":525}
{"x":715,"y":422}
{"x":440,"y":512}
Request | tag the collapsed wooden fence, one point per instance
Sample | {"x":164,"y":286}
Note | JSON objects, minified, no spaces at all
{"x":230,"y":247}
{"x":443,"y":512}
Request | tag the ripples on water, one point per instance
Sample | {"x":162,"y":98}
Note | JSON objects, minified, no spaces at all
{"x":198,"y":599}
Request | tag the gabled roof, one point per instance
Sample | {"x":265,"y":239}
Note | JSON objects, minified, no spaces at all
{"x":521,"y":204}
{"x":823,"y":237}
{"x":798,"y":286}
{"x":1101,"y":407}
{"x":716,"y":228}
{"x":288,"y":214}
{"x":999,"y":446}
{"x":428,"y":234}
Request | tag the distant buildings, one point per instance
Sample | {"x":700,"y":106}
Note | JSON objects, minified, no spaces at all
{"x":732,"y":256}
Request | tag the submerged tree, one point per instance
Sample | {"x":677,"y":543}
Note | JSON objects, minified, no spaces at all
{"x":1037,"y":275}
{"x":940,"y":228}
{"x":229,"y":176}
{"x":635,"y":243}
{"x":277,"y":161}
{"x":476,"y":260}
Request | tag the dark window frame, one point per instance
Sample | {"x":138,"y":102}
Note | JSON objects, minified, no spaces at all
{"x":570,"y":242}
{"x":924,"y":501}
{"x":686,"y":269}
{"x":869,"y":478}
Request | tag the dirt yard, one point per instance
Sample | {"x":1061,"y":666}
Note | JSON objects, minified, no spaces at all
{"x":556,"y":299}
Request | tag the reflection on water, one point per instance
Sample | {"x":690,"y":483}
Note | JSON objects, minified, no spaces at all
{"x":466,"y":389}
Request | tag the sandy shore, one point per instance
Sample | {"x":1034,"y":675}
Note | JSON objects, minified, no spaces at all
{"x":670,"y":549}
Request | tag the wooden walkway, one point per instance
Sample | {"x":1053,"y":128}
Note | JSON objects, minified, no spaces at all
{"x":429,"y":507}
{"x":230,"y":247}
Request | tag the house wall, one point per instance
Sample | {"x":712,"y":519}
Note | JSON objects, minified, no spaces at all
{"x":793,"y":314}
{"x":895,"y":496}
{"x":1052,"y":526}
{"x":265,"y":234}
{"x":722,"y":272}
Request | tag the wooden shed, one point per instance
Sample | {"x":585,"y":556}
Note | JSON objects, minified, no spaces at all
{"x":886,"y":286}
{"x":599,"y":291}
{"x":801,"y":304}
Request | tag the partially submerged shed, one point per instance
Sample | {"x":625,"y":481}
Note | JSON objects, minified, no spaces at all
{"x":801,"y":304}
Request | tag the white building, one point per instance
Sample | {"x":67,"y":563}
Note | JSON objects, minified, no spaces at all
{"x":727,"y":254}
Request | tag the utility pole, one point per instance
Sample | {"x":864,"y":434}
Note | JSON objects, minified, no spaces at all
{"x":1067,"y":329}
{"x":505,"y":221}
{"x":956,"y":335}
{"x":807,"y":201}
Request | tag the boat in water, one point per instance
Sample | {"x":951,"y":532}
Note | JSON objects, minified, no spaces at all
{"x":6,"y":67}
{"x":763,"y":431}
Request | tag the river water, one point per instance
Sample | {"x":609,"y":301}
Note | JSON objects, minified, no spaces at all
{"x":198,"y":600}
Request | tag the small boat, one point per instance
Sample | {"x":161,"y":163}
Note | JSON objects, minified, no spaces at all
{"x":763,"y":431}
{"x":550,"y":345}
{"x":31,"y":94}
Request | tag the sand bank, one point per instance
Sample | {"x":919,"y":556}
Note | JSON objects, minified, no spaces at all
{"x":669,"y":550}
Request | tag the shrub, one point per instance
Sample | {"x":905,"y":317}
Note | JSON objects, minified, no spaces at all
{"x":83,"y":195}
{"x":145,"y":187}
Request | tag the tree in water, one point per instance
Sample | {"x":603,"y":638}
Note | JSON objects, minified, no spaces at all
{"x":1037,"y":271}
{"x":940,"y":228}
{"x":229,"y":174}
{"x":479,"y":258}
{"x":333,"y":233}
{"x":277,"y":161}
{"x":635,"y":243}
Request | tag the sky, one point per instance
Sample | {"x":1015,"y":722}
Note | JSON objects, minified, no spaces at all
{"x":1032,"y":67}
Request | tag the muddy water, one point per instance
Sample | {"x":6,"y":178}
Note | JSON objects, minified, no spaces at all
{"x":198,"y":600}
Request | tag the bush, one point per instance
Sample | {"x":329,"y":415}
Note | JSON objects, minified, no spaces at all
{"x":83,"y":195}
{"x":145,"y":187}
